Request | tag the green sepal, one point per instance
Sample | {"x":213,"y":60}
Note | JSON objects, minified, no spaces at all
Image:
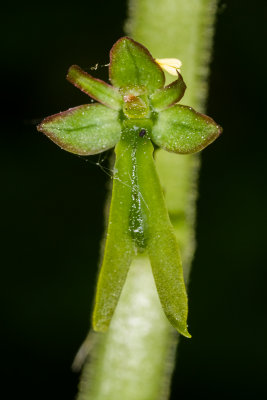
{"x":119,"y":247}
{"x":84,"y":130}
{"x":181,"y":129}
{"x":153,"y":220}
{"x":168,"y":96}
{"x":95,"y":88}
{"x":131,"y":64}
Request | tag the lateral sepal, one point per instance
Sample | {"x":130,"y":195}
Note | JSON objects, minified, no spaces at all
{"x":180,"y":129}
{"x":84,"y":130}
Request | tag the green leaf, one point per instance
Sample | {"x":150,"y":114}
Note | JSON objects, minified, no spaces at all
{"x":131,"y":64}
{"x":159,"y":237}
{"x":181,"y":129}
{"x":87,"y":129}
{"x":95,"y":88}
{"x":119,"y":248}
{"x":171,"y":94}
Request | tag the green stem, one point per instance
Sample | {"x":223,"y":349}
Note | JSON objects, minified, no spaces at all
{"x":132,"y":360}
{"x":135,"y":358}
{"x":184,"y":30}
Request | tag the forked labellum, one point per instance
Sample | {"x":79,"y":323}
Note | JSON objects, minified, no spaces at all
{"x":135,"y":112}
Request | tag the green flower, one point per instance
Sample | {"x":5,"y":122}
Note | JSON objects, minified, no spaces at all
{"x":136,"y":111}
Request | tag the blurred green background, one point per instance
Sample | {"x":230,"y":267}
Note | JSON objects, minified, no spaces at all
{"x":52,"y":206}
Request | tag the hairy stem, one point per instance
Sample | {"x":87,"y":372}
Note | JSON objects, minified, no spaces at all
{"x":135,"y":358}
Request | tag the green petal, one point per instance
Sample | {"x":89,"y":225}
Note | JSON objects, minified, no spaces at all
{"x":119,"y":248}
{"x":131,"y":64}
{"x":87,"y":129}
{"x":171,"y":94}
{"x":181,"y":129}
{"x":95,"y":88}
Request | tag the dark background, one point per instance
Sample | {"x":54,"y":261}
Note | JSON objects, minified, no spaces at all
{"x":52,"y":207}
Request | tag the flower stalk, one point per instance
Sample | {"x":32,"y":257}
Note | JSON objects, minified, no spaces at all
{"x":135,"y":357}
{"x":157,"y":25}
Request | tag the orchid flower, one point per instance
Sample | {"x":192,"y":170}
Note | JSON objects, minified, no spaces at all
{"x":134,"y":114}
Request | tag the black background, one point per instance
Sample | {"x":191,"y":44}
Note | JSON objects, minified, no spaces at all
{"x":52,"y":207}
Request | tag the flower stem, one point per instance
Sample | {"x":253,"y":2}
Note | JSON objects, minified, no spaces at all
{"x":135,"y":358}
{"x":131,"y":361}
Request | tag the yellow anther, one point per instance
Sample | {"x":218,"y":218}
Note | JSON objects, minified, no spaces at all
{"x":171,"y":65}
